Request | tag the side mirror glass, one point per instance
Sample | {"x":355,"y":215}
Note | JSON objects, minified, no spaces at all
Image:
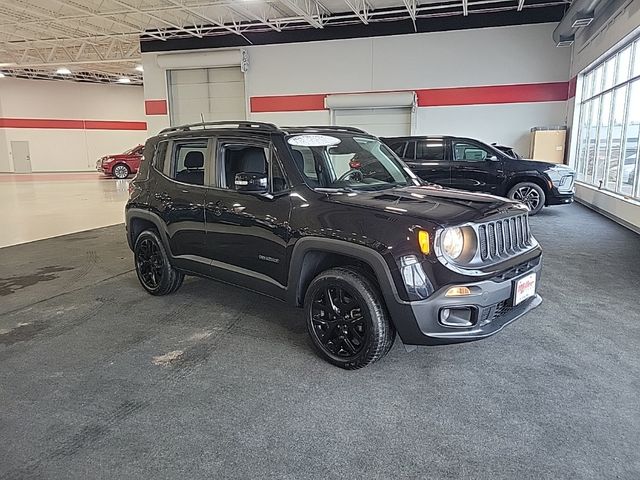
{"x":251,"y":182}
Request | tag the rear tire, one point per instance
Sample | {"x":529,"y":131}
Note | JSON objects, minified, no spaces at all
{"x":346,"y":319}
{"x":530,"y":194}
{"x":154,"y":270}
{"x":121,"y":171}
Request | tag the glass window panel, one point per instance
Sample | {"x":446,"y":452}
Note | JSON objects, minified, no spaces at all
{"x":603,"y":136}
{"x":630,"y":151}
{"x":609,"y":72}
{"x":587,"y":86}
{"x":583,"y":139}
{"x":624,"y":61}
{"x":616,"y":136}
{"x":636,"y":59}
{"x":597,"y":80}
{"x":591,"y":143}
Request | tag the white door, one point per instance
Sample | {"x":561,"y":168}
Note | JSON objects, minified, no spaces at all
{"x":21,"y":157}
{"x":382,"y":122}
{"x":211,"y":93}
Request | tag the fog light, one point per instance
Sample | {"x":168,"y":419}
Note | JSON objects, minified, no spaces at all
{"x":457,"y":317}
{"x":458,"y":292}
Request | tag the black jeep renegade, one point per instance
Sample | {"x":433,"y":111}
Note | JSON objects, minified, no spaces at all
{"x":331,"y":220}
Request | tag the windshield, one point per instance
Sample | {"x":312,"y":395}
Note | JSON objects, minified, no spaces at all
{"x":132,"y":150}
{"x":348,"y":162}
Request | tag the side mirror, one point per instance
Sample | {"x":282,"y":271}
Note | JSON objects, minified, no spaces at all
{"x":492,"y":158}
{"x":251,"y":182}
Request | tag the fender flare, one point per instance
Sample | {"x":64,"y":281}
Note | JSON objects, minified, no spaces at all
{"x":134,"y":213}
{"x":330,"y":245}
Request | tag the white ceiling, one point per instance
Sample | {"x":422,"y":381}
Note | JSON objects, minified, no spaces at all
{"x":98,"y":40}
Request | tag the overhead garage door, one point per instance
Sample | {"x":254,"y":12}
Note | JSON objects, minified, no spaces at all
{"x":211,"y":93}
{"x":383,"y":122}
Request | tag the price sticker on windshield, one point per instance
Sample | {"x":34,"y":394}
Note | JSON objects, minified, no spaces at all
{"x":313,"y":141}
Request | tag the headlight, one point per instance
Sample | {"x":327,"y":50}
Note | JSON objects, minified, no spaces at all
{"x":453,"y":242}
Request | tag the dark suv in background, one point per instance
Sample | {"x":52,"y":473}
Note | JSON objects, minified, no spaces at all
{"x":327,"y":218}
{"x":469,"y":164}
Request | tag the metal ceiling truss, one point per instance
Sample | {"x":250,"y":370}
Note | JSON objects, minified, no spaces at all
{"x":99,"y":39}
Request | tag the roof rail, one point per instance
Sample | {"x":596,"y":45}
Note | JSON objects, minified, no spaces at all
{"x":329,"y":127}
{"x":238,"y":124}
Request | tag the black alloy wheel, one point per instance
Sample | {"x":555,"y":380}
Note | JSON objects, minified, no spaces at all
{"x":338,"y":321}
{"x":153,"y":267}
{"x":149,"y":263}
{"x":530,"y":194}
{"x":346,"y":318}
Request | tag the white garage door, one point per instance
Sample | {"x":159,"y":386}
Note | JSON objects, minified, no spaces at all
{"x":215,"y":93}
{"x":383,"y":122}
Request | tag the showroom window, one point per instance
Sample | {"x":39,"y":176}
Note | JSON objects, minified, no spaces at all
{"x":609,"y":123}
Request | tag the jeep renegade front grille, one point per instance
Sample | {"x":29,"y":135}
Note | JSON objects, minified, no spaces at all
{"x":504,"y":238}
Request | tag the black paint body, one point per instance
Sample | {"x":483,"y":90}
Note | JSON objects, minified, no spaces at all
{"x":495,"y":176}
{"x":276,"y":243}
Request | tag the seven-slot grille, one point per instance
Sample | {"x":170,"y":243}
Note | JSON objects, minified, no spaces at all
{"x":504,"y":238}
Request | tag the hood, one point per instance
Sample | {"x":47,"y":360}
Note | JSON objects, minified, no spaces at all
{"x":119,"y":156}
{"x":442,"y":206}
{"x":540,"y":163}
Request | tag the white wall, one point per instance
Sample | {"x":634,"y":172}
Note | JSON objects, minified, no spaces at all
{"x":591,"y":46}
{"x":77,"y":149}
{"x":491,"y":56}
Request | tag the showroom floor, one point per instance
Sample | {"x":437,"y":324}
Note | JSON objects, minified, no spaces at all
{"x":100,"y":380}
{"x":31,"y":204}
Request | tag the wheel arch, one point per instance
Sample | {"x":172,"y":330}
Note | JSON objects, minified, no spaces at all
{"x":138,"y":220}
{"x":541,"y":182}
{"x":314,"y":255}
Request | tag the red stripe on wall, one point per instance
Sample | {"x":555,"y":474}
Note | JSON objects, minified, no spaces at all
{"x":155,"y":107}
{"x":51,"y":123}
{"x":432,"y":97}
{"x":524,"y":93}
{"x":287,"y":103}
{"x":41,"y":123}
{"x":114,"y":125}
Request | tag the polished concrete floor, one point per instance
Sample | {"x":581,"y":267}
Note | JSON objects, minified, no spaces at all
{"x":99,"y":380}
{"x":44,"y":205}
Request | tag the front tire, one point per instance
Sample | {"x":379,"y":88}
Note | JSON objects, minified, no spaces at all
{"x":121,"y":171}
{"x":153,"y":267}
{"x":346,"y":319}
{"x":530,"y":194}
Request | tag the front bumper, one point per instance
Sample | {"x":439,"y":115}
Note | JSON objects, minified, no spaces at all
{"x":491,"y":302}
{"x":559,"y":198}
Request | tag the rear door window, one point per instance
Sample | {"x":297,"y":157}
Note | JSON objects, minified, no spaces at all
{"x":188,"y":161}
{"x":430,"y":150}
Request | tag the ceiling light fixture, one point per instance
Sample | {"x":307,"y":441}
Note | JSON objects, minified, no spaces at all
{"x":124,"y":80}
{"x":139,"y":68}
{"x":63,"y":71}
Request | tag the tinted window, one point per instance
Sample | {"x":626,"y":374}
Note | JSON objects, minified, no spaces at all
{"x":411,"y":151}
{"x":278,"y":179}
{"x":430,"y":149}
{"x":159,"y":156}
{"x":187,"y":161}
{"x":398,"y":148}
{"x":467,"y":152}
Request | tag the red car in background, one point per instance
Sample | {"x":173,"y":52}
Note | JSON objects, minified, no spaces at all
{"x":121,"y":165}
